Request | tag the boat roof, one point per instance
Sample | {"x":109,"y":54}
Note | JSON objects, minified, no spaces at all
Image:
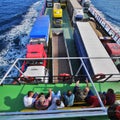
{"x":94,"y":48}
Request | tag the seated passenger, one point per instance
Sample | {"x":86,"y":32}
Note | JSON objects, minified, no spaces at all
{"x":82,"y":94}
{"x":93,"y":101}
{"x":29,"y":99}
{"x":42,"y":103}
{"x":56,"y":101}
{"x":113,"y":112}
{"x":110,"y":97}
{"x":69,"y":98}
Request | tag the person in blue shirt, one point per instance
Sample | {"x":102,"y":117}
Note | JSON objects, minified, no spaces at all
{"x":57,"y":103}
{"x":69,"y":98}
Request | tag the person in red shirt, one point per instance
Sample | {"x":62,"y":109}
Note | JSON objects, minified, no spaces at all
{"x":43,"y":103}
{"x":110,"y":97}
{"x":93,"y":101}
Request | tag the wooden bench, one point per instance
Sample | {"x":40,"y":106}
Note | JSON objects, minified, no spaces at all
{"x":28,"y":110}
{"x":117,"y":96}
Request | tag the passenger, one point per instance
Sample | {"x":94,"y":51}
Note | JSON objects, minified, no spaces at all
{"x":69,"y":98}
{"x":29,"y":99}
{"x":113,"y":112}
{"x":82,"y":94}
{"x":110,"y":97}
{"x":56,"y":101}
{"x":93,"y":101}
{"x":43,"y":103}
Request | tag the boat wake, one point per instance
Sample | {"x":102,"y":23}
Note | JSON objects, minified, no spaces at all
{"x":15,"y":40}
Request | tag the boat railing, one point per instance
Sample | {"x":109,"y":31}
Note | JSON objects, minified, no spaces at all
{"x":42,"y":114}
{"x":107,"y":77}
{"x":90,"y":111}
{"x":107,"y":27}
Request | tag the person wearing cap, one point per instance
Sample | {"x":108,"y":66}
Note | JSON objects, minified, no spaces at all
{"x":42,"y":103}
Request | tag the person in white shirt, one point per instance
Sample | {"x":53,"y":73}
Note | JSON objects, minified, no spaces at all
{"x":29,"y":99}
{"x":56,"y":101}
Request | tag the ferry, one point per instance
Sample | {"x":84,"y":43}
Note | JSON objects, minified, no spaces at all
{"x":69,"y":41}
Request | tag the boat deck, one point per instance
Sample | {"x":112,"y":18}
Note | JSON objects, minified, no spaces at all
{"x":68,"y":36}
{"x":59,"y":49}
{"x":11,"y":99}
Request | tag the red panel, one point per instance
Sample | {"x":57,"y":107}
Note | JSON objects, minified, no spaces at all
{"x":37,"y":48}
{"x":36,"y":51}
{"x":34,"y":55}
{"x":113,"y":49}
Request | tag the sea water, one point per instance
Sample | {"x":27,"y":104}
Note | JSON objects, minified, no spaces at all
{"x":18,"y":16}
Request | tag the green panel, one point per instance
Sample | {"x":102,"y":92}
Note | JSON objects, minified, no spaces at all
{"x":11,"y":96}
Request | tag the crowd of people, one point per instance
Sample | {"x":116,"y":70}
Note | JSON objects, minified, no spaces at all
{"x":57,"y":100}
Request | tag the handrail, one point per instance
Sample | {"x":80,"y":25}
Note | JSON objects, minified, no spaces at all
{"x":57,"y":58}
{"x":107,"y":27}
{"x":101,"y":103}
{"x":8,"y":72}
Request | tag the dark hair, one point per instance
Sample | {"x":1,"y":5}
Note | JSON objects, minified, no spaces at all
{"x":110,"y":91}
{"x":113,"y":112}
{"x":58,"y":102}
{"x":40,"y":95}
{"x":69,"y":92}
{"x":29,"y":93}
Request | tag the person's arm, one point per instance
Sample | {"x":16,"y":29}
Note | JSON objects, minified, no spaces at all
{"x":87,"y":84}
{"x":50,"y":95}
{"x":52,"y":107}
{"x":77,"y":83}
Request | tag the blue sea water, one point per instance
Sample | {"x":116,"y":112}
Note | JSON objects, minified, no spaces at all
{"x":110,"y":9}
{"x":18,"y":16}
{"x":16,"y":20}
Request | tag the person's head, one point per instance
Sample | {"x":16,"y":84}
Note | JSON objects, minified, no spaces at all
{"x":113,"y":112}
{"x":69,"y":93}
{"x":30,"y":93}
{"x":110,"y":91}
{"x":86,"y":90}
{"x":42,"y":98}
{"x":40,"y":95}
{"x":58,"y":102}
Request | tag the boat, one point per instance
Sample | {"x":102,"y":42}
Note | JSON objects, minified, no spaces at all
{"x":78,"y":46}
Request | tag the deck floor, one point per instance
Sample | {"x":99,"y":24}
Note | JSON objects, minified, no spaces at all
{"x":59,"y":50}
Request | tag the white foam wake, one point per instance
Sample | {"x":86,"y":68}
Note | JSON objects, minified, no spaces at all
{"x":19,"y":35}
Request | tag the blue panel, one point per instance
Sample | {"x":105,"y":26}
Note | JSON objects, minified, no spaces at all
{"x":41,"y":27}
{"x":82,"y":51}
